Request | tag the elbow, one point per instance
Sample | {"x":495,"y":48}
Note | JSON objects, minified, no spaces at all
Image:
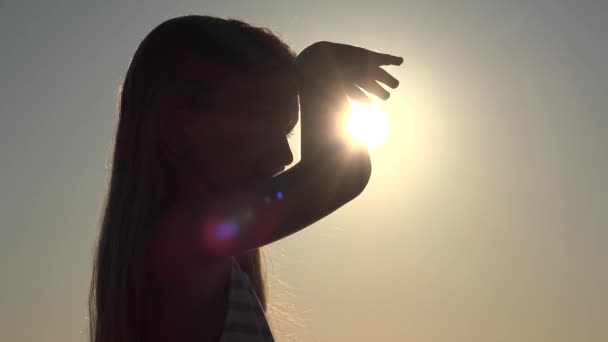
{"x":357,"y":177}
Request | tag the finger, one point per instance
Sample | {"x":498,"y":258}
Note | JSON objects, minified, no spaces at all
{"x":356,"y":94}
{"x":376,"y":89}
{"x":383,"y":76}
{"x":386,"y":59}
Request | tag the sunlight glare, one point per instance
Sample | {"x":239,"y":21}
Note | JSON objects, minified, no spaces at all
{"x":367,"y":124}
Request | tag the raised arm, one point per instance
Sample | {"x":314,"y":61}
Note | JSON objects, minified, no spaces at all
{"x":332,"y":171}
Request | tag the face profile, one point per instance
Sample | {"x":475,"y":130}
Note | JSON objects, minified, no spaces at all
{"x":227,"y":128}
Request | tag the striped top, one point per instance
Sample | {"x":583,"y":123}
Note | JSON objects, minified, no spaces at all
{"x":245,"y":318}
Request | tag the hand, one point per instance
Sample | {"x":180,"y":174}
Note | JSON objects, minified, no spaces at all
{"x":340,"y":69}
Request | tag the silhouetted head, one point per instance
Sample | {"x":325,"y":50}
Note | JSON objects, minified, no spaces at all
{"x":222,"y":96}
{"x":205,"y":106}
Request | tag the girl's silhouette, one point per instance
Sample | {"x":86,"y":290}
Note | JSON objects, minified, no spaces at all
{"x":198,"y":183}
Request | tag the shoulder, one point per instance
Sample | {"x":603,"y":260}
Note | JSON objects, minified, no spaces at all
{"x":245,"y":318}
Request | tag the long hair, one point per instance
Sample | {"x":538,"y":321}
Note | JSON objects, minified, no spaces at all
{"x":142,"y":179}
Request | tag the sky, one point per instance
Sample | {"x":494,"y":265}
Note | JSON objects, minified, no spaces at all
{"x":486,"y":215}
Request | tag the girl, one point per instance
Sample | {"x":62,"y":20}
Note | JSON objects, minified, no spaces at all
{"x":197,"y":183}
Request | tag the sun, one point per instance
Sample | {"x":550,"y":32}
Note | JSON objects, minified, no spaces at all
{"x":366,"y":123}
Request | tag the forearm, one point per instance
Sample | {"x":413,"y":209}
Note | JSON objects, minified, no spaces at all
{"x":324,"y":140}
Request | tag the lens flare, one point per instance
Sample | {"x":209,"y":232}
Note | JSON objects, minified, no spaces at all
{"x":367,"y":124}
{"x":227,"y":230}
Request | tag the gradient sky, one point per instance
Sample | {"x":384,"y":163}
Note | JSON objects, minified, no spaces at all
{"x":486,"y":216}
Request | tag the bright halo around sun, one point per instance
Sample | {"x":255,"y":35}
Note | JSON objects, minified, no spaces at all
{"x":368,"y":124}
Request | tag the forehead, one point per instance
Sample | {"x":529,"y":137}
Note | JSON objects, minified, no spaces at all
{"x":272,"y":93}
